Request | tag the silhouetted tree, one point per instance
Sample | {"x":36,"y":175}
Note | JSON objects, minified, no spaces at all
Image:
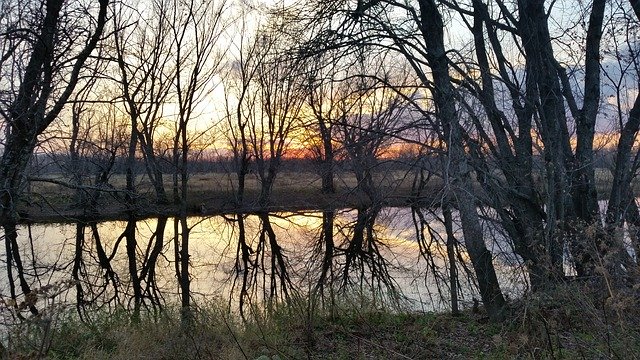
{"x":41,"y":67}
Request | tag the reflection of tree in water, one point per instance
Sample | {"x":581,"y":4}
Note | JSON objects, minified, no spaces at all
{"x":354,"y":260}
{"x":343,"y":259}
{"x":355,"y":257}
{"x":324,"y":251}
{"x":92,"y":284}
{"x":261,"y":269}
{"x":97,"y":282}
{"x":435,"y":247}
{"x":149,"y":261}
{"x":348,"y":253}
{"x":362,"y":256}
{"x":46,"y":273}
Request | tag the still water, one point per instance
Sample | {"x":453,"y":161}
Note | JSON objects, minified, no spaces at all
{"x":383,"y":252}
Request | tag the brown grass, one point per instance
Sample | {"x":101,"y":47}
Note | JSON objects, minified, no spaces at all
{"x":569,"y":322}
{"x":216,"y":193}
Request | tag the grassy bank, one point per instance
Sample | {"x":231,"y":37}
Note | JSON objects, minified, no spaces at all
{"x":570,"y":322}
{"x":215,"y":193}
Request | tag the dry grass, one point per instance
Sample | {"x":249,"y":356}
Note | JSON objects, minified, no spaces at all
{"x":216,"y":192}
{"x":569,"y":322}
{"x":289,"y":332}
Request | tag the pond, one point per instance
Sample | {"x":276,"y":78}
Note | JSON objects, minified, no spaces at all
{"x":396,"y":255}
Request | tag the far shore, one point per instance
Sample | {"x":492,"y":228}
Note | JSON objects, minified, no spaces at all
{"x":212,"y":194}
{"x":115,"y":212}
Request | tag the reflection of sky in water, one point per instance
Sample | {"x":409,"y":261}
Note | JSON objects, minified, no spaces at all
{"x":213,"y":245}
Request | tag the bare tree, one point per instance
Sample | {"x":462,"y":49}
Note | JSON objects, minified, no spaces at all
{"x":621,"y":203}
{"x":242,"y":102}
{"x":47,"y":67}
{"x":322,"y":98}
{"x":278,"y":115}
{"x":195,"y":29}
{"x":144,"y":50}
{"x":372,"y":114}
{"x":537,"y":119}
{"x":167,"y":60}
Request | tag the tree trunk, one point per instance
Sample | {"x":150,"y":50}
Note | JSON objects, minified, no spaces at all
{"x":542,"y":69}
{"x":326,"y":165}
{"x":17,"y":152}
{"x":451,"y":256}
{"x":481,"y":258}
{"x":154,"y":171}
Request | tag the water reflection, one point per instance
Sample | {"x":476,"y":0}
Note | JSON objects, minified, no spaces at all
{"x":261,"y":267}
{"x":391,"y":254}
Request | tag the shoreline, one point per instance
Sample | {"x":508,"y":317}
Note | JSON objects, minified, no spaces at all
{"x":66,"y":213}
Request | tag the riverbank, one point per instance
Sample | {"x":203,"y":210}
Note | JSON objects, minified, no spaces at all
{"x":215,"y":193}
{"x":569,"y":322}
{"x":48,"y":201}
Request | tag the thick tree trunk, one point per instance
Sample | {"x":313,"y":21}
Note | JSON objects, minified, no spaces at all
{"x":621,"y":192}
{"x":525,"y":222}
{"x":17,"y":151}
{"x":613,"y":248}
{"x":545,"y":87}
{"x":458,"y":168}
{"x":585,"y":194}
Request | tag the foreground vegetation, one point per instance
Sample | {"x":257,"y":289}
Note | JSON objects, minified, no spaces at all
{"x":569,"y":322}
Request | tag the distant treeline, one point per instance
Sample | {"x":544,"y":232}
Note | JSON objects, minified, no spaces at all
{"x":60,"y":163}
